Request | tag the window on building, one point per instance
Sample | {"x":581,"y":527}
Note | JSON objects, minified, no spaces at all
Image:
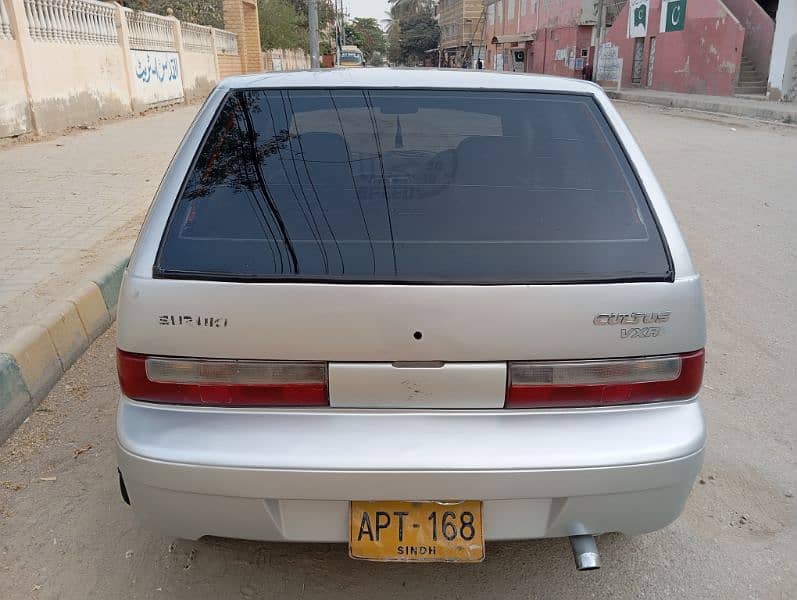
{"x":499,"y":11}
{"x":491,"y":14}
{"x":523,"y":5}
{"x":510,"y":10}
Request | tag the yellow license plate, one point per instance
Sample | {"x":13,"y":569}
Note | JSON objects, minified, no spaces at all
{"x":417,"y":531}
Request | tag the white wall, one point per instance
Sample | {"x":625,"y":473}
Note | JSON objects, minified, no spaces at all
{"x":157,"y":76}
{"x":14,"y":115}
{"x":199,"y":74}
{"x":115,"y":61}
{"x":784,"y":45}
{"x":75,"y":84}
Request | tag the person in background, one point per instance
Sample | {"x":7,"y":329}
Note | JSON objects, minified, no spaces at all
{"x":586,"y":70}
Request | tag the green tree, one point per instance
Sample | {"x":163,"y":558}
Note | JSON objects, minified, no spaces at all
{"x":393,"y":38}
{"x":366,"y":34}
{"x":400,"y":12}
{"x":281,"y":25}
{"x":419,"y":33}
{"x":326,"y":12}
{"x":293,"y":25}
{"x":377,"y":59}
{"x":201,"y":12}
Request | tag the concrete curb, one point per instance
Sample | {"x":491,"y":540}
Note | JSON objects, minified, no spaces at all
{"x":770,"y":111}
{"x":37,"y":355}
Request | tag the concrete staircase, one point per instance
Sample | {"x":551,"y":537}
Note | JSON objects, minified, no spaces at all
{"x":751,"y":82}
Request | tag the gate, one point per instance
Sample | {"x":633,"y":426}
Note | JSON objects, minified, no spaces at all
{"x":639,"y":53}
{"x":651,"y":60}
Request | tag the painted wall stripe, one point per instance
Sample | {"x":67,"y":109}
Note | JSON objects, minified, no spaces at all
{"x":16,"y":402}
{"x":110,"y":281}
{"x":69,"y":326}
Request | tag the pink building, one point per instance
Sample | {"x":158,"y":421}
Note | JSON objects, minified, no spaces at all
{"x":723,"y":48}
{"x":539,"y":36}
{"x":717,"y":47}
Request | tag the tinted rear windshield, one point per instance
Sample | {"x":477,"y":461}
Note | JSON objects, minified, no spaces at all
{"x":414,"y":186}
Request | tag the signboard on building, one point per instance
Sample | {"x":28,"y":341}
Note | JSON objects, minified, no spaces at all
{"x":518,"y":61}
{"x":638,"y":14}
{"x":673,"y":15}
{"x":157,"y":76}
{"x":609,"y":50}
{"x":608,"y":67}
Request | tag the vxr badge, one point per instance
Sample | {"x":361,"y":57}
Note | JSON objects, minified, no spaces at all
{"x":634,"y":318}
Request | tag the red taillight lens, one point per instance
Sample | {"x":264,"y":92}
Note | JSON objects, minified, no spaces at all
{"x":221,"y":382}
{"x":555,"y":384}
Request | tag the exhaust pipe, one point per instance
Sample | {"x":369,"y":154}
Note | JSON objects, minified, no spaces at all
{"x":585,"y":551}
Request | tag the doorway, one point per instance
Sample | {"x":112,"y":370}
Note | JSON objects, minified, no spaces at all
{"x":651,"y":60}
{"x":639,"y":53}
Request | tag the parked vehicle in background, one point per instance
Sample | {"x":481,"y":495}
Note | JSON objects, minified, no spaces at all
{"x":412,"y":311}
{"x":351,"y":56}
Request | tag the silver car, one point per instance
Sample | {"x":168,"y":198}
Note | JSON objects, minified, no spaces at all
{"x":411,"y":311}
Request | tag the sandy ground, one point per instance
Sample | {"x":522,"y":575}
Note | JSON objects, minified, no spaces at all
{"x":64,"y":532}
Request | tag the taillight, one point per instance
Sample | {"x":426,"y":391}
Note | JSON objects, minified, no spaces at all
{"x":210,"y":382}
{"x":553,"y":384}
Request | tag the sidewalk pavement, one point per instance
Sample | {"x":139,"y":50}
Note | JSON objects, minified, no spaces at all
{"x":785,"y":112}
{"x":69,"y":202}
{"x":70,"y":210}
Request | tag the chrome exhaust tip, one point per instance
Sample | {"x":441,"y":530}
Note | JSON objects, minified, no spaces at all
{"x":585,"y":551}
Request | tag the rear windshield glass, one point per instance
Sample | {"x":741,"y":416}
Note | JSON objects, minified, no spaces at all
{"x":412,"y":186}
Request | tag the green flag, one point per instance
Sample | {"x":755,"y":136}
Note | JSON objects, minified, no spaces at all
{"x":638,"y":12}
{"x":640,"y":15}
{"x":673,"y":15}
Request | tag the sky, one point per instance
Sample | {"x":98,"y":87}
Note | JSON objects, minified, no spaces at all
{"x":367,"y":8}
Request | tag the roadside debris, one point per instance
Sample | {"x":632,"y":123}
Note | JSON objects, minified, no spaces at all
{"x":191,"y":557}
{"x":13,"y":486}
{"x":82,"y":449}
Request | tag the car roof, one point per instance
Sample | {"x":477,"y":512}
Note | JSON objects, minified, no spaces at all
{"x":410,"y":78}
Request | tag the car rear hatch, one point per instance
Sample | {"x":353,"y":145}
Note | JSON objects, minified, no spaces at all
{"x":424,"y":249}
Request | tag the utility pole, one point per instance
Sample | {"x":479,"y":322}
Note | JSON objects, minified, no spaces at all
{"x":340,"y":26}
{"x":337,"y":33}
{"x":312,"y":14}
{"x":599,"y":41}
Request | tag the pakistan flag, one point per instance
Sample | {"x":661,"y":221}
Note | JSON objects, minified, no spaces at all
{"x":673,"y":15}
{"x":638,"y":18}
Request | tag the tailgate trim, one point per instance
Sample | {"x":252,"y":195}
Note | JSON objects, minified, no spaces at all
{"x":384,"y":385}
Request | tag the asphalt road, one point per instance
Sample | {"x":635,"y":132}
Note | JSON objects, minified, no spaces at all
{"x":64,"y":532}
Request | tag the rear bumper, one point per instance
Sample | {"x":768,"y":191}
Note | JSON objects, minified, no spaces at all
{"x":289,"y":474}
